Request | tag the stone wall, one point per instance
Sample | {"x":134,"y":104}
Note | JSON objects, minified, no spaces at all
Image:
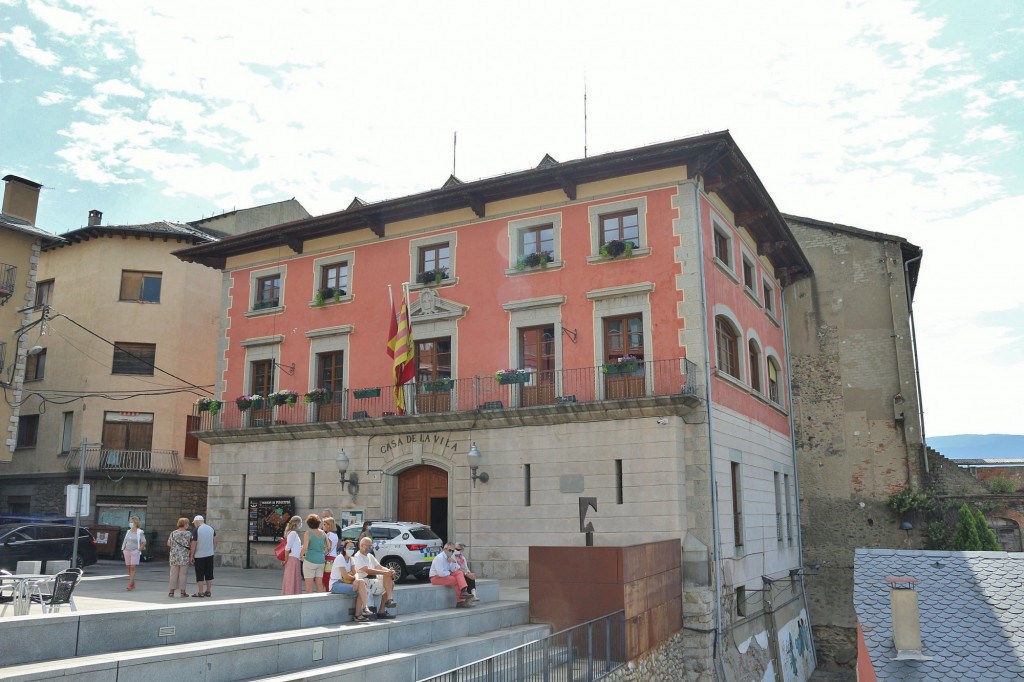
{"x":166,"y":499}
{"x":856,"y":412}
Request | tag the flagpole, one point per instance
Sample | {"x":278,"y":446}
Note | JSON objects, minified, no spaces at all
{"x":391,"y":297}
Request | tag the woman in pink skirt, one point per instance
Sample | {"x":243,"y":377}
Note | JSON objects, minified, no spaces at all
{"x":292,"y":582}
{"x":131,"y":548}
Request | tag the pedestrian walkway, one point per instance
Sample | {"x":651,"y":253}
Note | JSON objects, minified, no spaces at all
{"x":103,"y":587}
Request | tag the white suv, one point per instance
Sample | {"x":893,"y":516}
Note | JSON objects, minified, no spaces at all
{"x":405,"y":546}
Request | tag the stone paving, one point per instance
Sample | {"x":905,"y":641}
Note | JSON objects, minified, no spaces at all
{"x":103,"y":586}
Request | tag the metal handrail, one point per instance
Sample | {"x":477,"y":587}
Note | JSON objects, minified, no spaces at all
{"x":528,"y":389}
{"x":582,"y":653}
{"x":124,"y":460}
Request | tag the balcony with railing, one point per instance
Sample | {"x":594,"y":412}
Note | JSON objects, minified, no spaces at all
{"x":8,"y":278}
{"x":519,"y":390}
{"x":101,"y":459}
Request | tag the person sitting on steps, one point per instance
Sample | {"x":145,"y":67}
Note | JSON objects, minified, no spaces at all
{"x":379,"y":580}
{"x":444,"y":570}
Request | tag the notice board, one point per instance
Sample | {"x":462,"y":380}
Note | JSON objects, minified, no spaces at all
{"x":268,"y":516}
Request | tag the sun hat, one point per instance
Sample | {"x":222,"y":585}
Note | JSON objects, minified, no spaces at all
{"x":198,"y":517}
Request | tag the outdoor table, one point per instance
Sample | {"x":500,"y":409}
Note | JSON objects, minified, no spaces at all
{"x":23,"y":584}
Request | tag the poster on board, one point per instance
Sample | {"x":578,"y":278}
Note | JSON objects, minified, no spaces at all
{"x":350,"y":517}
{"x":268,"y":517}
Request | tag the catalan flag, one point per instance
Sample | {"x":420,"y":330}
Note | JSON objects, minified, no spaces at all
{"x":400,"y":348}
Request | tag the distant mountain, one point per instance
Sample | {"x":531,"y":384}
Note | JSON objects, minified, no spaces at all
{"x":974,"y":446}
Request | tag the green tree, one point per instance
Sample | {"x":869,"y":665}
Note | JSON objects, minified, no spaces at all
{"x":965,"y":537}
{"x":986,"y":536}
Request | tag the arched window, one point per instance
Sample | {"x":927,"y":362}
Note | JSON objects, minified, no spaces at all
{"x":773,"y":382}
{"x":754,"y":354}
{"x":727,"y":347}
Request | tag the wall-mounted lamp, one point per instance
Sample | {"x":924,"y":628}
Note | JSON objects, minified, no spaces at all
{"x":473,"y":459}
{"x":36,"y":350}
{"x":353,"y":481}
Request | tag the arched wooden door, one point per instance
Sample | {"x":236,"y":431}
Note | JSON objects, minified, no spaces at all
{"x":423,"y":497}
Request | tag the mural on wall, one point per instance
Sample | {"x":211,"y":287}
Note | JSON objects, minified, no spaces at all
{"x":795,"y":645}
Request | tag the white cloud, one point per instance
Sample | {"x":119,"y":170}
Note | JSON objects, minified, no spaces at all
{"x":996,"y":133}
{"x":63,"y":21}
{"x":113,"y":53}
{"x":49,"y":98}
{"x":78,"y":72}
{"x":118,"y":88}
{"x":24,"y":43}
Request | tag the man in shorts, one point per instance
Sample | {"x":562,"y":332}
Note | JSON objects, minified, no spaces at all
{"x":379,"y":580}
{"x":204,"y":542}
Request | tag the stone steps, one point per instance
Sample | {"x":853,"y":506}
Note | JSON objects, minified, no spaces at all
{"x":294,"y":637}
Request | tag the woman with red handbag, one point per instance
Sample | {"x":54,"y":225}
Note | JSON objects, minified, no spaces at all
{"x":292,"y":581}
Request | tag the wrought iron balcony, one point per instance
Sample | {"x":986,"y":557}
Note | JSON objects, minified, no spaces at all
{"x":8,"y":278}
{"x":525,"y":389}
{"x":99,"y":458}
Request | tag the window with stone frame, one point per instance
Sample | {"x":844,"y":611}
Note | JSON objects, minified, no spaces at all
{"x":261,"y":377}
{"x":754,"y":356}
{"x":622,"y":226}
{"x":268,"y":292}
{"x":773,"y":382}
{"x":334,"y":278}
{"x":726,"y":347}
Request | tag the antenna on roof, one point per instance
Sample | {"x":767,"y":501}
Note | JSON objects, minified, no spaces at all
{"x":455,"y":141}
{"x":584,"y":113}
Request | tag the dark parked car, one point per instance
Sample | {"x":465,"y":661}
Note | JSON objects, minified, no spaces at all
{"x":44,"y":542}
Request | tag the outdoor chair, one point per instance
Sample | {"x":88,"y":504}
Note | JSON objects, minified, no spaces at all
{"x":63,"y":588}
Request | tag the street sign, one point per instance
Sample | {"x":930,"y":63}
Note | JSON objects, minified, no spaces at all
{"x":71,"y":493}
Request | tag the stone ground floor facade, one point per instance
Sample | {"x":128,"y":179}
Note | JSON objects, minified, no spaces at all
{"x":159,"y":501}
{"x":645,"y":462}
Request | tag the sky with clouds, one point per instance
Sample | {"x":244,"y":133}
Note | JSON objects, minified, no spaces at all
{"x":893,"y":116}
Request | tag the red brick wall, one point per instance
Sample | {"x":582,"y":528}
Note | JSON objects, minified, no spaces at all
{"x":571,"y":585}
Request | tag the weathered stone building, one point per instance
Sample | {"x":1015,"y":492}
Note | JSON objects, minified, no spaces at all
{"x":856,"y":406}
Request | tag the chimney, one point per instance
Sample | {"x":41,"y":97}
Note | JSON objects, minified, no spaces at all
{"x":906,"y":619}
{"x":21,"y":198}
{"x":95,"y":217}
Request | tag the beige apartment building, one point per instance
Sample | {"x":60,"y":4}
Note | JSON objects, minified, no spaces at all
{"x":124,"y":336}
{"x":122,"y":355}
{"x":20,"y":245}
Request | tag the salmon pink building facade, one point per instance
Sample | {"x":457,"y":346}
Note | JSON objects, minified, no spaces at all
{"x":607,"y":328}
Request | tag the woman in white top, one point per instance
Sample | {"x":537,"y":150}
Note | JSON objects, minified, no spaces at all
{"x":131,"y":548}
{"x":292,"y":582}
{"x":330,"y":527}
{"x":344,"y":581}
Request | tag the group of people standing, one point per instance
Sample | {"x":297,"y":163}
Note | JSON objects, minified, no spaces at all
{"x":320,"y":559}
{"x":187,"y":547}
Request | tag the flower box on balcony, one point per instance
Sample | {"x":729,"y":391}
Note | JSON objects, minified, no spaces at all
{"x":625,"y":365}
{"x":283,"y":397}
{"x":437,"y":386}
{"x":364,"y":393}
{"x":512,"y":376}
{"x":318,"y":396}
{"x":244,"y":402}
{"x":209,"y":405}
